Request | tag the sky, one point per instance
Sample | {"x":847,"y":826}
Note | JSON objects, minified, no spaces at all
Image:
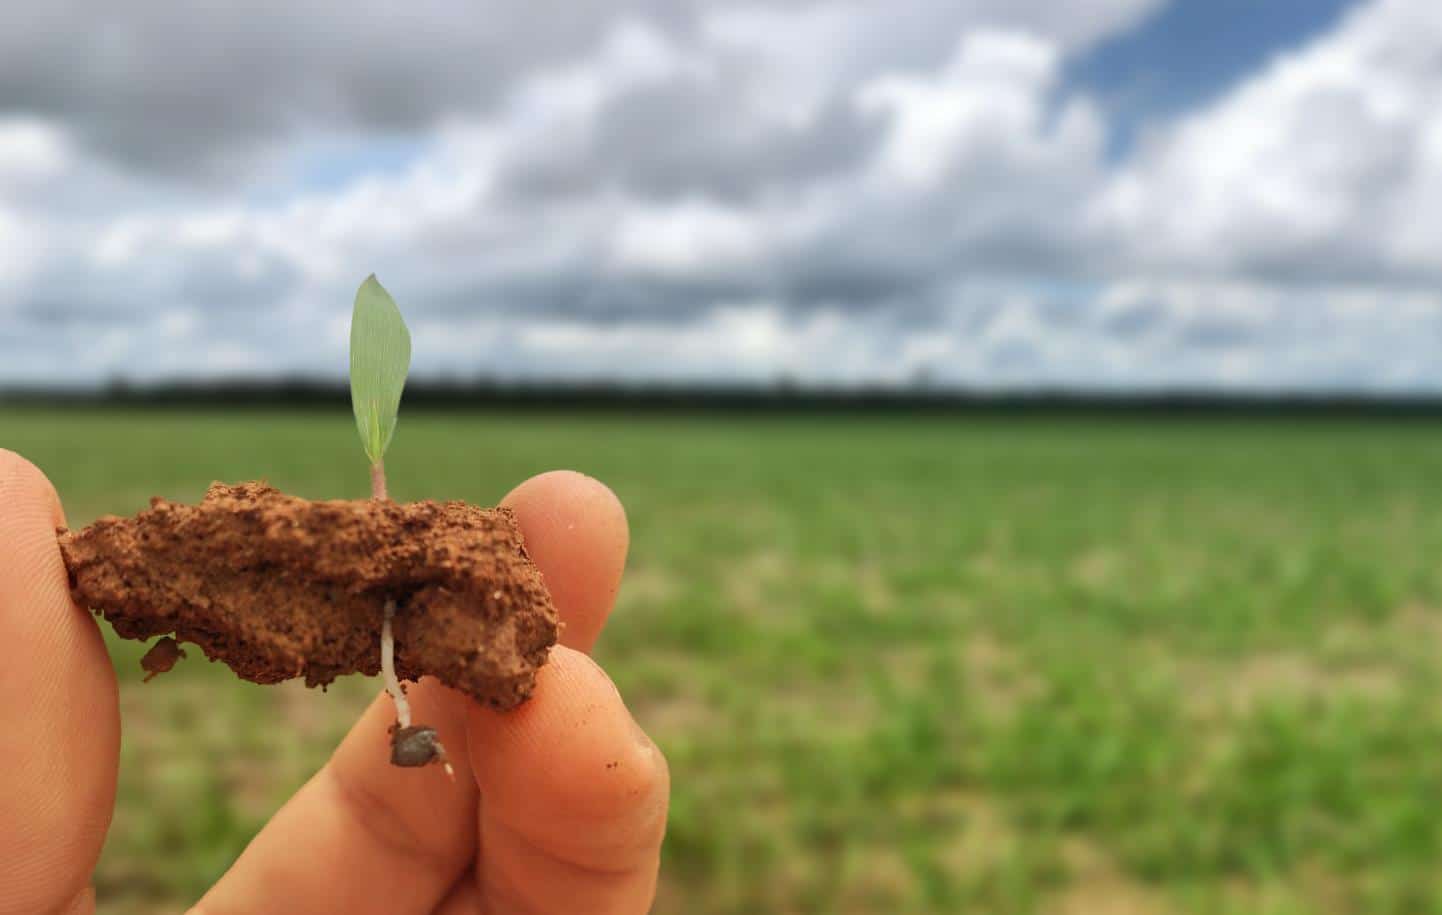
{"x":1100,"y":194}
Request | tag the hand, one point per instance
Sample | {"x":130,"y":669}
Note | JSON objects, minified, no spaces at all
{"x":557,"y":807}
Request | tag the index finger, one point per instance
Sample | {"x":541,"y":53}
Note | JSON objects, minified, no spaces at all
{"x":60,"y":722}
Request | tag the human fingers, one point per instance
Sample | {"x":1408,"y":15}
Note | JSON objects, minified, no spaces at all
{"x":574,"y":798}
{"x":59,"y":721}
{"x":576,"y":532}
{"x":394,"y":840}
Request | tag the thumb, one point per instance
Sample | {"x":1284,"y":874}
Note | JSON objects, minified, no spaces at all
{"x":573,"y":798}
{"x":59,"y":721}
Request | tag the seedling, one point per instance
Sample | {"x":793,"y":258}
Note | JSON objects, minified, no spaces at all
{"x":279,"y":587}
{"x":380,"y":359}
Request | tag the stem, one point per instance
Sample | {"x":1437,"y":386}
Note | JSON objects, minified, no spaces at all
{"x":388,"y":642}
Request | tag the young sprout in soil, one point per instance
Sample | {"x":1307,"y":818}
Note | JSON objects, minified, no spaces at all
{"x":380,"y":357}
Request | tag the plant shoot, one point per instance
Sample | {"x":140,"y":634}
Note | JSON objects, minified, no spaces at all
{"x":380,"y":358}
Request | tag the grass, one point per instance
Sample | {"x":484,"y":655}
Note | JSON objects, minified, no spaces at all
{"x":1030,"y":665}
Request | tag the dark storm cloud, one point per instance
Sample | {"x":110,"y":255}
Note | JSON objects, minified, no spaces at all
{"x":684,"y":138}
{"x":584,"y":296}
{"x":177,"y":88}
{"x":204,"y":88}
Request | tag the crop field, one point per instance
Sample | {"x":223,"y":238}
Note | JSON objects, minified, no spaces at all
{"x":977,"y":664}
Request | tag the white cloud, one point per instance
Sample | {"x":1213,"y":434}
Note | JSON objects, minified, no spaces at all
{"x":685,"y":238}
{"x":990,"y":93}
{"x":30,"y":150}
{"x":1326,"y":164}
{"x":843,"y":190}
{"x":213,"y":91}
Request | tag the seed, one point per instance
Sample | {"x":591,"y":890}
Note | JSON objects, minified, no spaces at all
{"x":417,"y":745}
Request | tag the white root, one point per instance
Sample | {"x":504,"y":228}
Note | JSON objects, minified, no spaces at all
{"x":393,"y":684}
{"x":388,"y":668}
{"x":388,"y":644}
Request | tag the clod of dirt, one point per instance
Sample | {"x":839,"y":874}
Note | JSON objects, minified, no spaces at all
{"x":280,"y":587}
{"x":161,"y":658}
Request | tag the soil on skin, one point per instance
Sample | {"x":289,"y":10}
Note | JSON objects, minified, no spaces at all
{"x":280,"y":587}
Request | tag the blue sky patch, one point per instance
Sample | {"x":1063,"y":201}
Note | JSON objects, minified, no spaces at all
{"x":1191,"y":52}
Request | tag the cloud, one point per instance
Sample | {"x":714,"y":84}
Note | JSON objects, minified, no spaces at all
{"x":30,"y":150}
{"x":1325,"y":167}
{"x":211,"y":91}
{"x":841,"y":190}
{"x":206,"y":89}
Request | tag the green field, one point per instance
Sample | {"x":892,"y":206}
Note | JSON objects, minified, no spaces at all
{"x":1115,"y":666}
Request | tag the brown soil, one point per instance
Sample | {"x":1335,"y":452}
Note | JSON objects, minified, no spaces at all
{"x":280,"y":587}
{"x":161,"y":658}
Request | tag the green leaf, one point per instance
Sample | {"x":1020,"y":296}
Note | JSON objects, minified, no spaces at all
{"x":380,"y":356}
